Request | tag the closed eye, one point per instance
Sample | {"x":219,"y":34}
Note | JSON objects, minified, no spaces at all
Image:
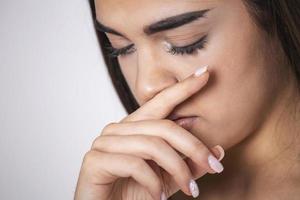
{"x":188,"y":49}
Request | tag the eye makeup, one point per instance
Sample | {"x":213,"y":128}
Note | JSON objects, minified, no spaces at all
{"x":174,"y":50}
{"x":188,"y":49}
{"x":114,"y":52}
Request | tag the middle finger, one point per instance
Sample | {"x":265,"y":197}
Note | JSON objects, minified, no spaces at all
{"x":179,"y":138}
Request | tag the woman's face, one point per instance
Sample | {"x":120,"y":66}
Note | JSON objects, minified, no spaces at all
{"x":243,"y":80}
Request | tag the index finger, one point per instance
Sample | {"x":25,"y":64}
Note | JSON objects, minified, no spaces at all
{"x":164,"y":102}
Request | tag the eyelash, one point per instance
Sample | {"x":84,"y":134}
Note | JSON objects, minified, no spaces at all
{"x":113,"y":52}
{"x":174,"y":50}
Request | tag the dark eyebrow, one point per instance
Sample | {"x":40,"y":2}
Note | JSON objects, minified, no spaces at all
{"x":101,"y":27}
{"x":162,"y":25}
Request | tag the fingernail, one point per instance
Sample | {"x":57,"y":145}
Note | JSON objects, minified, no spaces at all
{"x":221,"y":151}
{"x":215,"y":164}
{"x":163,"y":196}
{"x":200,"y":71}
{"x":194,"y":188}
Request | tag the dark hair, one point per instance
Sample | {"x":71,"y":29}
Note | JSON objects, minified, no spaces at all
{"x":276,"y":17}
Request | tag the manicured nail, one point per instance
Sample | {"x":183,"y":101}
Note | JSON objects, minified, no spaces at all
{"x":194,"y":188}
{"x":215,"y":164}
{"x":163,"y":196}
{"x":200,"y":71}
{"x":221,"y":151}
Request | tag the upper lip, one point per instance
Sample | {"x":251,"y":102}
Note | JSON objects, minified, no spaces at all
{"x":175,"y":116}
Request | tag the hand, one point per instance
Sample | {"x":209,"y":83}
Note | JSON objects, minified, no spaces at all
{"x":139,"y":157}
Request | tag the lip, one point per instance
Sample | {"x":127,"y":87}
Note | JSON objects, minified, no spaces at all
{"x":186,"y":122}
{"x":175,"y":116}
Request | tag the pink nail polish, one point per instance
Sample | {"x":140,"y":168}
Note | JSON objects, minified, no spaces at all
{"x":215,"y":164}
{"x":201,"y":71}
{"x":194,"y":188}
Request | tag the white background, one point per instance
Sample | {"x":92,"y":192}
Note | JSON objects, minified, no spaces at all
{"x":56,"y":96}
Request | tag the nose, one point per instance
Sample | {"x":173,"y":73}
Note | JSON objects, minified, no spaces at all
{"x":152,"y":77}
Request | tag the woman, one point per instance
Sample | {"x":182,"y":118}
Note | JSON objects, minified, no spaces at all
{"x":243,"y":98}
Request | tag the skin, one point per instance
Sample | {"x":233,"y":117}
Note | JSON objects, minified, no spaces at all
{"x":122,"y":149}
{"x":248,"y":105}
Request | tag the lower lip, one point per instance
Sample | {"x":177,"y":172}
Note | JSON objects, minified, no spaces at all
{"x":186,"y":123}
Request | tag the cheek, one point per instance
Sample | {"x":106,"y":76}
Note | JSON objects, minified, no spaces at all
{"x":241,"y":89}
{"x":234,"y":103}
{"x":234,"y":107}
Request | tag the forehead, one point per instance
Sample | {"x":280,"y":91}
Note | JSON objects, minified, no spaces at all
{"x":135,"y":13}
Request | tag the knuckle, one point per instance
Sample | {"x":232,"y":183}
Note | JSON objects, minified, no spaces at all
{"x":88,"y":160}
{"x":97,"y":141}
{"x":154,"y":145}
{"x":137,"y":164}
{"x":91,"y":165}
{"x":155,"y":142}
{"x":168,"y":123}
{"x":108,"y":128}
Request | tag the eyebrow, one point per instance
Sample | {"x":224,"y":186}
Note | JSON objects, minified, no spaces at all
{"x":162,"y":25}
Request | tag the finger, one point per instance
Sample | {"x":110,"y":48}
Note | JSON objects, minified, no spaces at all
{"x":106,"y":168}
{"x":197,"y":172}
{"x":164,"y":102}
{"x":149,"y":148}
{"x":219,"y":152}
{"x":179,"y":138}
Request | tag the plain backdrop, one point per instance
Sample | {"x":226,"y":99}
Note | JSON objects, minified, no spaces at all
{"x":56,"y":96}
